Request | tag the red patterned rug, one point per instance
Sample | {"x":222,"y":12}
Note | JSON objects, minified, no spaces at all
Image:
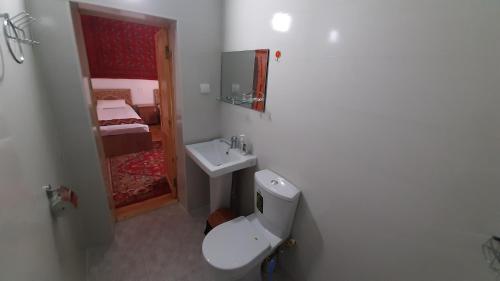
{"x":138,"y":176}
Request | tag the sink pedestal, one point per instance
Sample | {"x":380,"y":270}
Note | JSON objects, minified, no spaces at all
{"x":220,"y":192}
{"x":219,"y":161}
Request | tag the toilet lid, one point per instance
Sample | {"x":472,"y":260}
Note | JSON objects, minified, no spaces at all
{"x":234,"y":244}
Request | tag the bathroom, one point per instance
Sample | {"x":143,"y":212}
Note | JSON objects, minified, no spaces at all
{"x":383,"y":114}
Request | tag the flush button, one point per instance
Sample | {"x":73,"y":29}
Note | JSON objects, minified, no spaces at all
{"x":277,"y":181}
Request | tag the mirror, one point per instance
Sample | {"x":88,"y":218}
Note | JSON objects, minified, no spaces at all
{"x":244,"y":78}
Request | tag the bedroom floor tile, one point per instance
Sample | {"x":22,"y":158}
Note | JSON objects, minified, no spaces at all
{"x":164,"y":245}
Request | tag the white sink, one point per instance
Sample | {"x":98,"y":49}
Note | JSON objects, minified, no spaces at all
{"x":219,"y":162}
{"x":211,"y":156}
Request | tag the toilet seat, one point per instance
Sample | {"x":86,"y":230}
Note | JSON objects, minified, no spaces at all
{"x":234,"y":245}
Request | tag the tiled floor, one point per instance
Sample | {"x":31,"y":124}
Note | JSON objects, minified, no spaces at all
{"x":164,"y":245}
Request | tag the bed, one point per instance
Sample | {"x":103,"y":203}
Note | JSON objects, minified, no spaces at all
{"x":122,"y":130}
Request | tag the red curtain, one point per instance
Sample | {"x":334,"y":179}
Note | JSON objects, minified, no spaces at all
{"x":119,"y":49}
{"x":260,"y":78}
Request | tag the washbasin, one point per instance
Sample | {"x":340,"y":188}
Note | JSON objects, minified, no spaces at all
{"x":219,"y":161}
{"x":216,"y":158}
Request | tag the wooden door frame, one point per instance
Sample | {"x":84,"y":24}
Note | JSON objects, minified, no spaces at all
{"x":164,"y":60}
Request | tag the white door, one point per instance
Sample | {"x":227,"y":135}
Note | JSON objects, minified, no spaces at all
{"x":33,"y":246}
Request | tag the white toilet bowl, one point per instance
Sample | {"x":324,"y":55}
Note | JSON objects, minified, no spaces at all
{"x":236,"y":249}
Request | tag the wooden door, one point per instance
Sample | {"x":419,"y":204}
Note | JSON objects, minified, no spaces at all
{"x":167,"y":106}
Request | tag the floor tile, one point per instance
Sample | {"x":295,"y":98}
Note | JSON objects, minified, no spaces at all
{"x":163,"y":245}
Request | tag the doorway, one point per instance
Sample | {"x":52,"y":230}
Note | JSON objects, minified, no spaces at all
{"x":128,"y":59}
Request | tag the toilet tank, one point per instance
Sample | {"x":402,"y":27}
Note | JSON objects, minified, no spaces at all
{"x":275,"y":202}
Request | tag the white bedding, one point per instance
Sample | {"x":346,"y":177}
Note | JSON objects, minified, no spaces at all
{"x":124,"y":112}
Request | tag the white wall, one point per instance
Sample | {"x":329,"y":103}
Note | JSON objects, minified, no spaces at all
{"x":197,"y":56}
{"x":391,"y":131}
{"x":141,"y":90}
{"x":33,"y":245}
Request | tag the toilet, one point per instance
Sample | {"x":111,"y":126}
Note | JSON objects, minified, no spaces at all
{"x":235,"y":249}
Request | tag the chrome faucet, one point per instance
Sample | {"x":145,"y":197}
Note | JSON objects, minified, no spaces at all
{"x":232,"y":144}
{"x":226,"y":142}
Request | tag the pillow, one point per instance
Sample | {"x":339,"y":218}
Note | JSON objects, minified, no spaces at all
{"x":111,"y":103}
